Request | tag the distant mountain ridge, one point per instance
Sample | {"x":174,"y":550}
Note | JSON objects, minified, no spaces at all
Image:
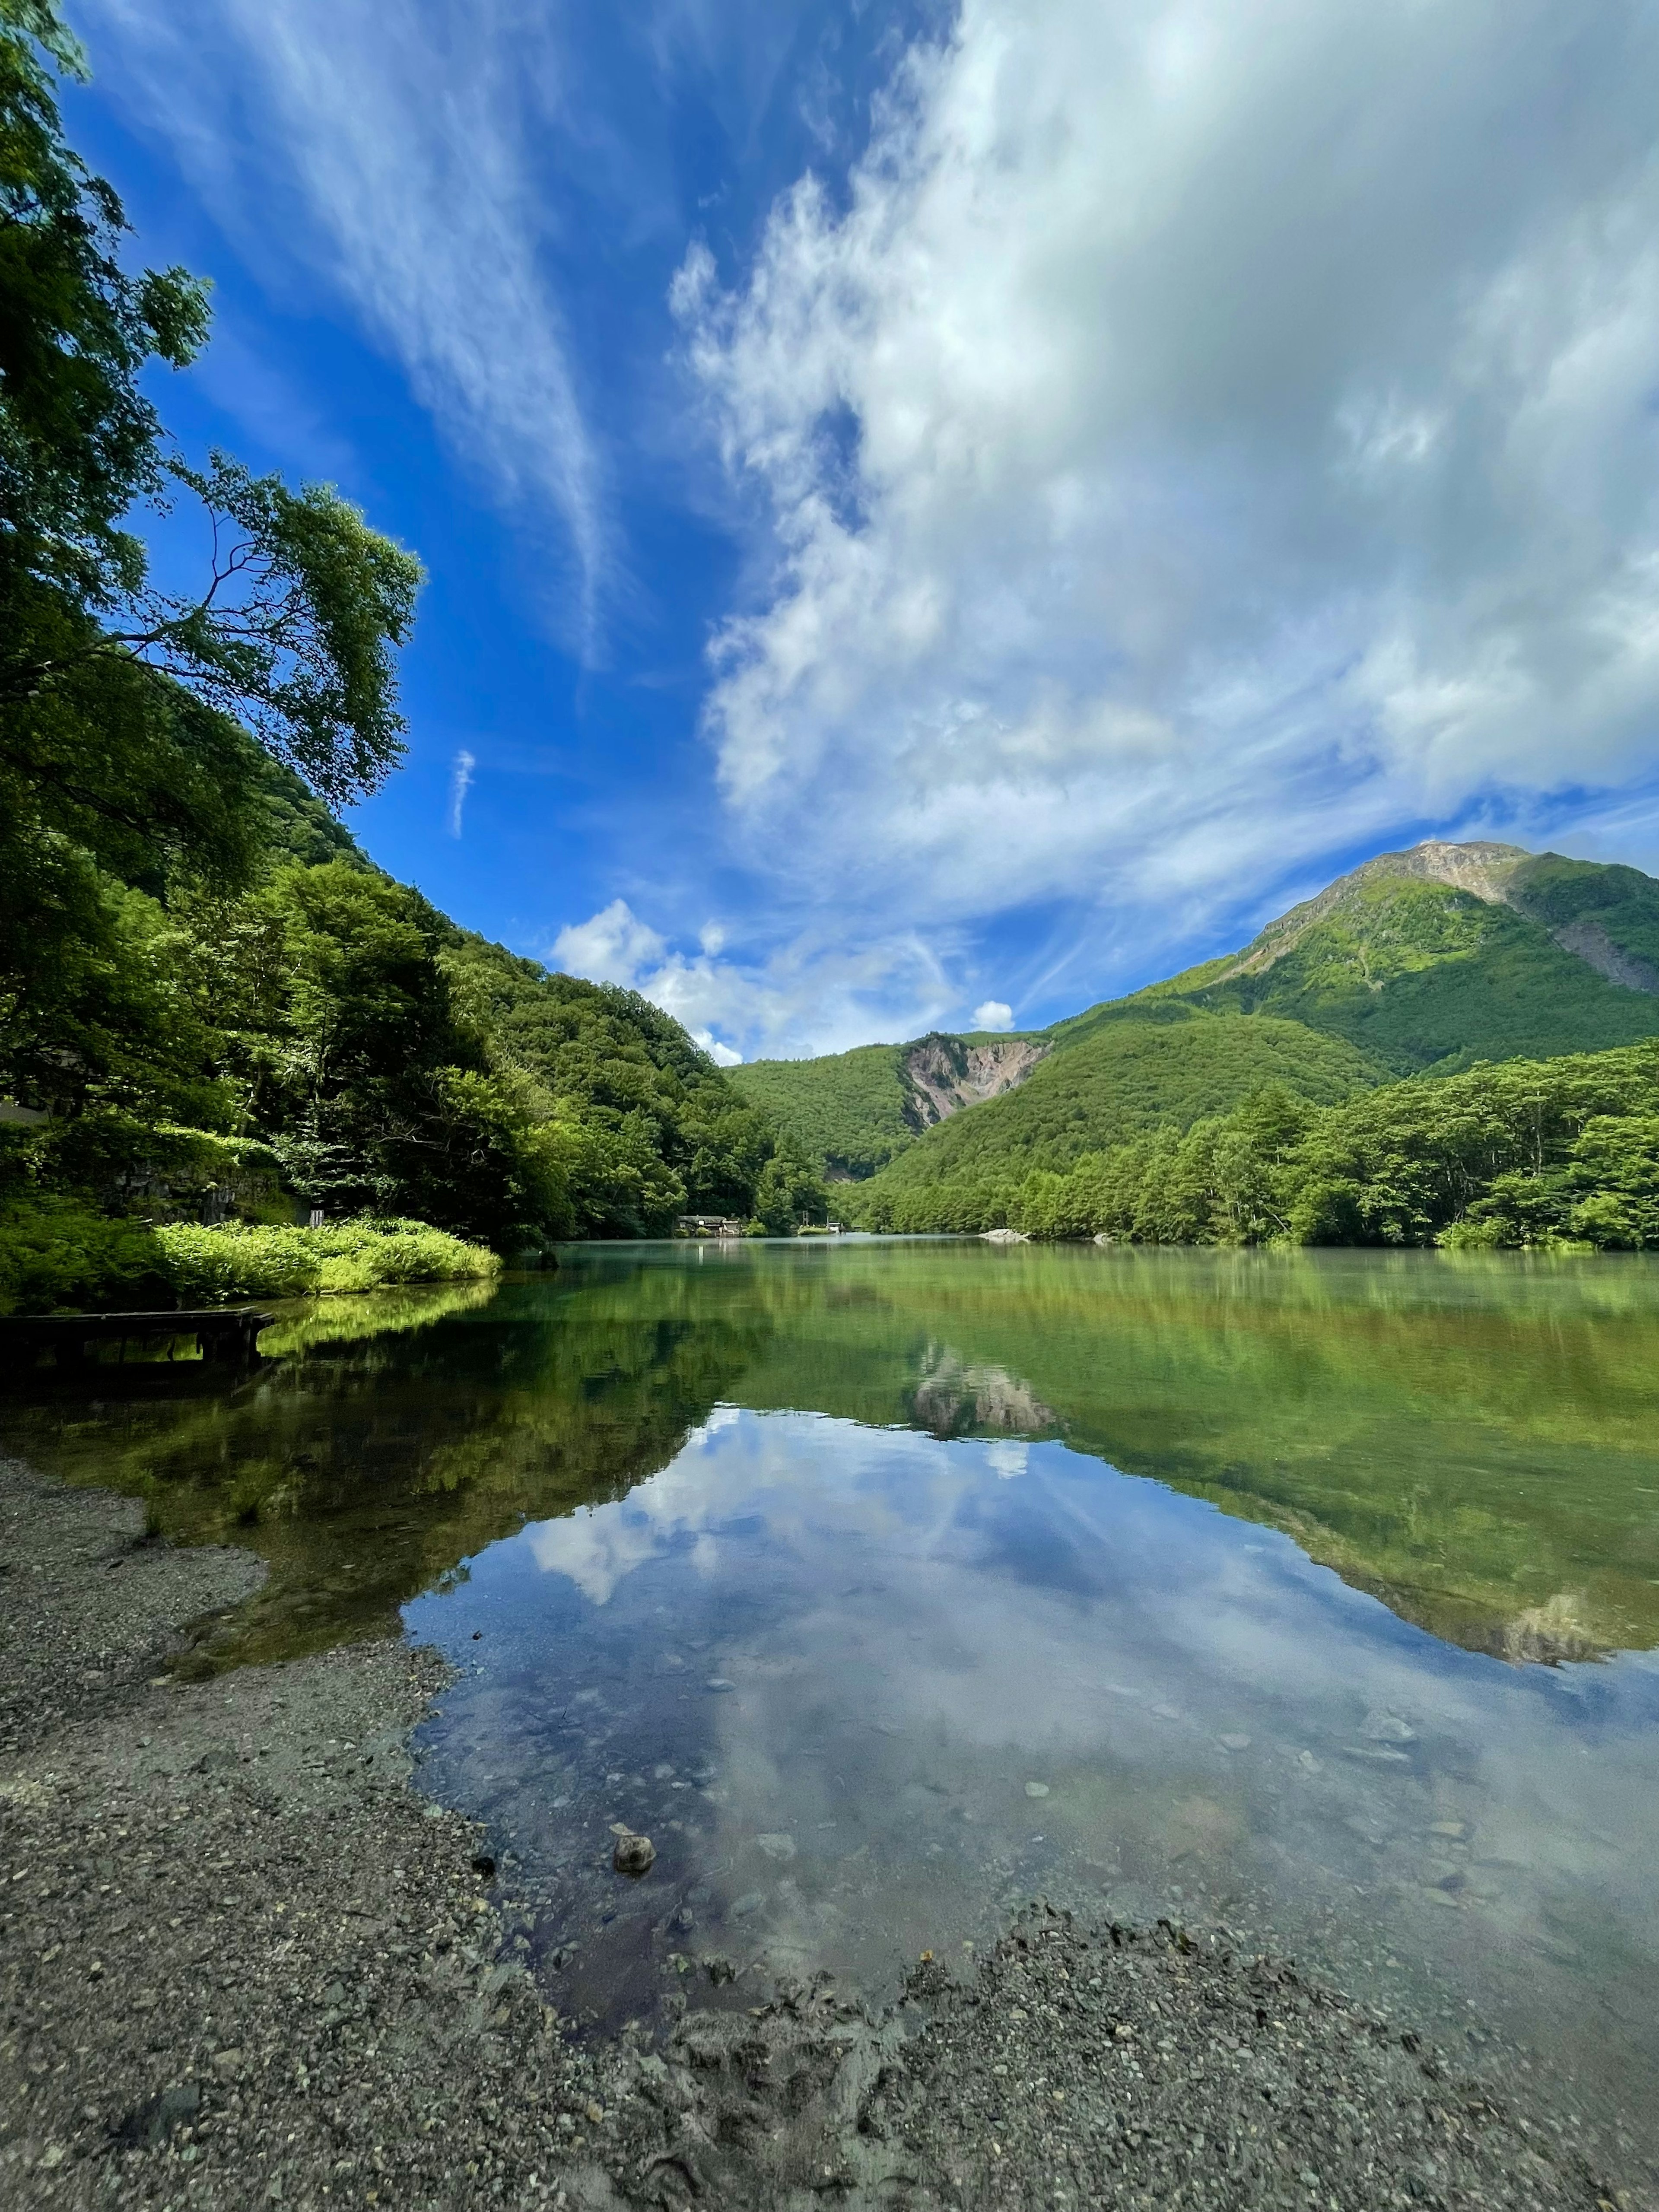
{"x":1421,"y":962}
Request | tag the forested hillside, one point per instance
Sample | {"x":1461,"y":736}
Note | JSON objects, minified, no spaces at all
{"x":211,"y":1003}
{"x":1169,"y":1068}
{"x":1425,"y":962}
{"x":850,"y":1112}
{"x":1514,"y":1153}
{"x":325,"y":1035}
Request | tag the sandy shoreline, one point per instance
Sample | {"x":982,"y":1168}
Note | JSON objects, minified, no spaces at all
{"x":243,"y":1962}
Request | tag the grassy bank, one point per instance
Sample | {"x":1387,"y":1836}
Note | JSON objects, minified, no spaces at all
{"x":57,"y":1256}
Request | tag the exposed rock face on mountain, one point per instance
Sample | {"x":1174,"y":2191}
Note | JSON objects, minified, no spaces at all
{"x":946,"y":1073}
{"x":953,"y":1397}
{"x":853,"y":1112}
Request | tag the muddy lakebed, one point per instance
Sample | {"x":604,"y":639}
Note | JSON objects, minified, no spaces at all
{"x":888,"y":1585}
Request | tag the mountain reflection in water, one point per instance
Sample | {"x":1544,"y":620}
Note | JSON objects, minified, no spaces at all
{"x":1475,"y":1440}
{"x":832,"y":1565}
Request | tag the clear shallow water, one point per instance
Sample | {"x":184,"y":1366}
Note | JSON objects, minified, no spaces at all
{"x":839,"y":1571}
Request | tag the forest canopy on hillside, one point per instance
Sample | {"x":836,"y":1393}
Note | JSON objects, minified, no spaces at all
{"x":1517,"y":1154}
{"x":209,"y":997}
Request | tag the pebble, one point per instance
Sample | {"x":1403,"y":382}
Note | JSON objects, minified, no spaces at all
{"x":1036,"y":1789}
{"x":385,"y":2100}
{"x":634,"y":1855}
{"x":1077,"y":2068}
{"x":289,"y":1942}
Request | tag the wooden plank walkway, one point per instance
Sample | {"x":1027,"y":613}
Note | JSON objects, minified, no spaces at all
{"x":228,"y":1335}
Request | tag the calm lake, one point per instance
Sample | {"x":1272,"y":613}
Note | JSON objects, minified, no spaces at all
{"x":887,"y":1585}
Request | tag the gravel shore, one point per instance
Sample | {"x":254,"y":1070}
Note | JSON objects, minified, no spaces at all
{"x":243,"y":1963}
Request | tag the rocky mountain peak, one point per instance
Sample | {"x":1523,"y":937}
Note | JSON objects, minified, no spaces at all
{"x":1482,"y":867}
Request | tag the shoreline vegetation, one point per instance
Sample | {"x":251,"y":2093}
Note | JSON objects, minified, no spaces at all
{"x":67,"y":1259}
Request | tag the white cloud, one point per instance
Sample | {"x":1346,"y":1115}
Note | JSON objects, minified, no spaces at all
{"x":813,"y":994}
{"x":611,"y":946}
{"x":388,"y":147}
{"x":992,"y":1014}
{"x":1202,"y":438}
{"x":461,"y":783}
{"x":722,"y":1055}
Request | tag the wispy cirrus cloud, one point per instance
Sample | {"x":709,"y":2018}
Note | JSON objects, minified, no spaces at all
{"x":461,"y":770}
{"x":389,"y":146}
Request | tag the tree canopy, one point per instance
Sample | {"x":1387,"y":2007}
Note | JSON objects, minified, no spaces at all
{"x":135,"y":721}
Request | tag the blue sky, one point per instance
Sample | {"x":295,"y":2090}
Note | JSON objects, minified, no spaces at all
{"x":941,"y":513}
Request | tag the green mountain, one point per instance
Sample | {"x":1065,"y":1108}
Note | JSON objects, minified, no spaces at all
{"x":1424,"y":962}
{"x":1168,"y":1069}
{"x":1445,"y":955}
{"x":853,"y":1112}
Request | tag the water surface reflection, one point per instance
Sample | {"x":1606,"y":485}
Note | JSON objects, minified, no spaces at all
{"x":867,"y":1691}
{"x":838,"y":1569}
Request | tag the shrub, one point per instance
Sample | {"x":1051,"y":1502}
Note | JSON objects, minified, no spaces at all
{"x":59,"y":1255}
{"x":211,"y":1267}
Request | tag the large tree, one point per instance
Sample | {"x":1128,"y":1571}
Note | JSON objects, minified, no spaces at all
{"x":135,"y":722}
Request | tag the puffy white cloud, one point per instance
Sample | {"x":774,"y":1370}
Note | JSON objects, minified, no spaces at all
{"x":611,"y":946}
{"x":1202,"y":438}
{"x":993,"y":1014}
{"x":722,"y":1055}
{"x":813,"y":994}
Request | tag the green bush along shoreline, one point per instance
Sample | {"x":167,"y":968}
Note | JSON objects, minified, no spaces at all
{"x":62,"y":1255}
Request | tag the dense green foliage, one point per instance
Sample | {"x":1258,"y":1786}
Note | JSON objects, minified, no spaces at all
{"x":194,"y":955}
{"x":1526,"y":1152}
{"x":1617,"y":904}
{"x":57,"y":1253}
{"x":1401,"y":972}
{"x":850,"y":1111}
{"x":386,"y":1062}
{"x":63,"y":1254}
{"x":646,"y":1127}
{"x":134,"y":723}
{"x":1169,"y":1068}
